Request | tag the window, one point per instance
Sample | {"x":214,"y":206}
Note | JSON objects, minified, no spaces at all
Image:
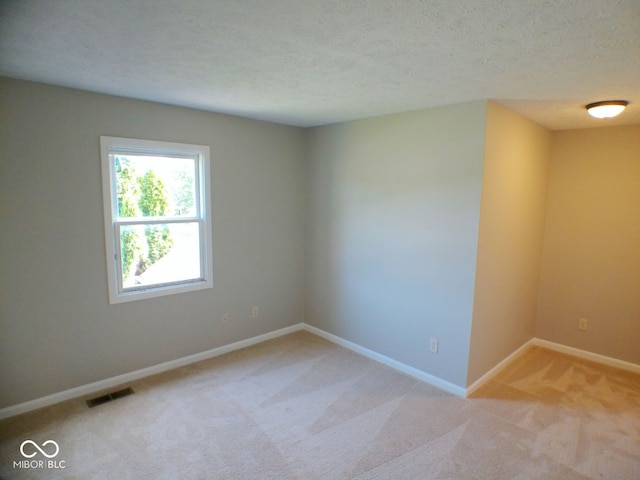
{"x":157,"y":217}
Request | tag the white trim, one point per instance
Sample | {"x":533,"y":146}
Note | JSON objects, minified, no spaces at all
{"x":180,"y":362}
{"x":202,"y":157}
{"x":594,"y":357}
{"x":396,"y":365}
{"x":575,"y":352}
{"x":499,"y":367}
{"x":136,"y":375}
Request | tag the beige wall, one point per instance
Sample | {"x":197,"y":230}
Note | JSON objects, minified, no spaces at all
{"x":514,"y":185}
{"x":591,"y":257}
{"x":394,"y":204}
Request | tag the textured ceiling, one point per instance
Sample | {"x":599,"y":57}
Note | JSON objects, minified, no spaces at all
{"x":313,"y":62}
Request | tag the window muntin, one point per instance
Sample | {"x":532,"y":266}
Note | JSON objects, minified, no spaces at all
{"x":158,"y":230}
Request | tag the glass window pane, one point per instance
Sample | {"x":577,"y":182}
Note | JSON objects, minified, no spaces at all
{"x":160,"y":253}
{"x":155,"y":186}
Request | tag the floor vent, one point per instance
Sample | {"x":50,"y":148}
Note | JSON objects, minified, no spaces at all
{"x":109,"y":397}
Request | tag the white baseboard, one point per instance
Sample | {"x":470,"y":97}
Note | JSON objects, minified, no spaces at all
{"x":558,"y":347}
{"x":499,"y":367}
{"x":594,"y":357}
{"x":112,"y":382}
{"x":136,"y":375}
{"x":396,"y":365}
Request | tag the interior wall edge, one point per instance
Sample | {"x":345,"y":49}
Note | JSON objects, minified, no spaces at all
{"x":108,"y":383}
{"x":457,"y":390}
{"x":390,"y":362}
{"x":586,"y":355}
{"x":499,"y":367}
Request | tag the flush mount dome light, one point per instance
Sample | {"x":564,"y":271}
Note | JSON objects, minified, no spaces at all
{"x":607,"y":109}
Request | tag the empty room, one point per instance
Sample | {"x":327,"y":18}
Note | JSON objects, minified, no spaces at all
{"x":319,"y":239}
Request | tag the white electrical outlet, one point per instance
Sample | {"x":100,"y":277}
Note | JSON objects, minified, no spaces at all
{"x":582,"y":324}
{"x":433,"y":345}
{"x":255,"y":312}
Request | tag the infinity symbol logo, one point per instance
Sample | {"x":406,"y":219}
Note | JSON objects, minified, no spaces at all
{"x":25,"y":455}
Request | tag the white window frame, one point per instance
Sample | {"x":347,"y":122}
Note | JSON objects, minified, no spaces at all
{"x":112,"y":224}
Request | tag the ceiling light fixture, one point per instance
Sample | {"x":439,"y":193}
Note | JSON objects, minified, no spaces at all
{"x":607,"y":109}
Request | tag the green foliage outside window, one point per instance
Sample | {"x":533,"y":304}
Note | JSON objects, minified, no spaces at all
{"x":141,"y":196}
{"x":128,"y":191}
{"x":154,"y":202}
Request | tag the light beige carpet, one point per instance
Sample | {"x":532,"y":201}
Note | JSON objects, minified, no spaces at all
{"x":299,"y":407}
